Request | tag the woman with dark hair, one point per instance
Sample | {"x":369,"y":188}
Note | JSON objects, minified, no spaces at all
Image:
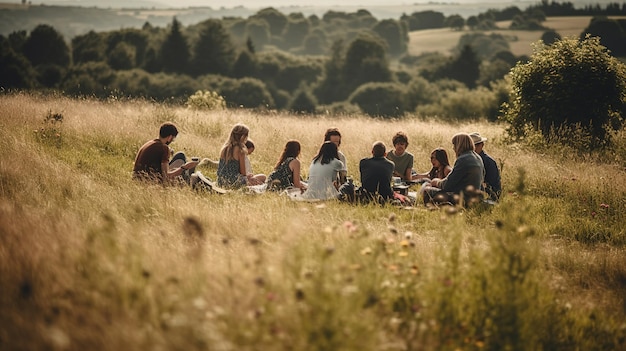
{"x":287,"y":170}
{"x":323,"y":172}
{"x":441,"y":165}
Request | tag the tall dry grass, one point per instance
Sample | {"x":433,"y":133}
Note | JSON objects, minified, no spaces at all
{"x":90,"y":259}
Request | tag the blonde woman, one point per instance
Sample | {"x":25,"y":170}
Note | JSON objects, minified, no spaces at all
{"x":468,"y":171}
{"x":231,"y":170}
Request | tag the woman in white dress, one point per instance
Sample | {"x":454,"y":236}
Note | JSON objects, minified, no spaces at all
{"x":323,"y":172}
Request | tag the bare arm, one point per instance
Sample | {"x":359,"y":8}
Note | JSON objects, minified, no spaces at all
{"x":239,"y":154}
{"x":294,"y":165}
{"x":407,"y":173}
{"x":176,"y":171}
{"x":421,"y":176}
{"x":436,"y":182}
{"x":165,"y":170}
{"x":342,"y":176}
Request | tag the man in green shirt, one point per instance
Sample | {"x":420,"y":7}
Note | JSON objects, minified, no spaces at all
{"x":402,"y":159}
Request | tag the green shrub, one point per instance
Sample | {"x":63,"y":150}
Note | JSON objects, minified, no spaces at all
{"x":49,"y":75}
{"x":463,"y":104}
{"x":89,"y":78}
{"x":50,"y":132}
{"x":15,"y":69}
{"x":550,"y":36}
{"x":421,"y":92}
{"x":246,"y":92}
{"x":281,"y":98}
{"x":206,"y":100}
{"x":380,"y":99}
{"x":570,"y":84}
{"x":500,"y":90}
{"x":122,"y":57}
{"x":342,"y":108}
{"x":159,"y":86}
{"x":294,"y":73}
{"x":303,"y":102}
{"x":483,"y":45}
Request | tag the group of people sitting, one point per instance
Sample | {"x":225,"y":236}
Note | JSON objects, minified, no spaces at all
{"x":473,"y":172}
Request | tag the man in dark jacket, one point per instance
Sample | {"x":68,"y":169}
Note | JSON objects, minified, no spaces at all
{"x":376,"y":172}
{"x":492,"y":185}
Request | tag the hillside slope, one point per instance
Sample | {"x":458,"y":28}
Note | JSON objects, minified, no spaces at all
{"x":444,"y":40}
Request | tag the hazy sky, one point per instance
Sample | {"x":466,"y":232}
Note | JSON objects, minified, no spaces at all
{"x":267,"y":3}
{"x":329,"y":3}
{"x":365,"y":3}
{"x":341,"y":5}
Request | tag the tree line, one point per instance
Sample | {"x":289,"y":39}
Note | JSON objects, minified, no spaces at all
{"x":341,"y":62}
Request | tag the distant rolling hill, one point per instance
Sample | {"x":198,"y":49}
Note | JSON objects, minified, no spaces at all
{"x":391,"y":9}
{"x":113,"y":4}
{"x":74,"y":20}
{"x":444,"y":40}
{"x":75,"y":17}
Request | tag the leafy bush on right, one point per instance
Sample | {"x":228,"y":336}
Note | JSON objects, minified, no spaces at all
{"x":568,"y":86}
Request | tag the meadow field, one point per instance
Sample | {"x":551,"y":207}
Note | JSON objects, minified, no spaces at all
{"x":444,"y":40}
{"x":91,"y":260}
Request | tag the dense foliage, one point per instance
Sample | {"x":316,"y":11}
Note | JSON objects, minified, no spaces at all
{"x":612,"y":34}
{"x":569,"y":90}
{"x":380,"y":99}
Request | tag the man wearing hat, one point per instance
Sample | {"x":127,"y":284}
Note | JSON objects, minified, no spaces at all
{"x":492,"y":174}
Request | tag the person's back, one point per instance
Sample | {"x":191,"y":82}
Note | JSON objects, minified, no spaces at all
{"x":376,"y":172}
{"x":231,"y":168}
{"x":492,"y":185}
{"x":321,"y":177}
{"x":467,"y":171}
{"x":152,"y":160}
{"x":323,"y":172}
{"x":282,"y":175}
{"x":228,"y":174}
{"x":333,"y":135}
{"x":286,"y":173}
{"x":149,"y":159}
